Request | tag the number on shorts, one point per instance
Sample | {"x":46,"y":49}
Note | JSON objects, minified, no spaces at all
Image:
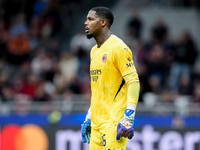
{"x":104,"y":140}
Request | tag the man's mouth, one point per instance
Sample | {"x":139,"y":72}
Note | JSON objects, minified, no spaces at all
{"x":86,"y":29}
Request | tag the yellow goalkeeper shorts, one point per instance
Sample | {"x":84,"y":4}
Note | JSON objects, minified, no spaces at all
{"x":106,"y":140}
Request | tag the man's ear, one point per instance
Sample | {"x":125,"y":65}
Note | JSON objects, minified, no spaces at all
{"x":103,"y":22}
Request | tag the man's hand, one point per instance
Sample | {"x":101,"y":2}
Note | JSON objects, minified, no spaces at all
{"x":86,"y":131}
{"x":125,"y":127}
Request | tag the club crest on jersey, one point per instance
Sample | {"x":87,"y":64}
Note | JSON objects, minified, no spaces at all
{"x":104,"y":58}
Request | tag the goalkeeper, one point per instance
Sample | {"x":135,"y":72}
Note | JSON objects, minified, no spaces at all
{"x":114,"y":86}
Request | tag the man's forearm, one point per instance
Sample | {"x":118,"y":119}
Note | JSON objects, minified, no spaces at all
{"x":133,"y":89}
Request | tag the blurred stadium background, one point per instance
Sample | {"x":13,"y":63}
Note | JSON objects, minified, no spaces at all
{"x":44,"y":72}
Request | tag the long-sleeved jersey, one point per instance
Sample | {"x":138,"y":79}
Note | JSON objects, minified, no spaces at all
{"x":109,"y":64}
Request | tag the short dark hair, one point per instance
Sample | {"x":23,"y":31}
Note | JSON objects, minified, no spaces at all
{"x":106,"y":13}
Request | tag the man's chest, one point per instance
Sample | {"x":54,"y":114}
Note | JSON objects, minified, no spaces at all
{"x":101,"y":65}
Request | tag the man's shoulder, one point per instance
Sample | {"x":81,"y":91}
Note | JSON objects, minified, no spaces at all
{"x":118,"y":41}
{"x":119,"y":44}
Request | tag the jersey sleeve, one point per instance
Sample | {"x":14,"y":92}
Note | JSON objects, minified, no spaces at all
{"x":123,"y":60}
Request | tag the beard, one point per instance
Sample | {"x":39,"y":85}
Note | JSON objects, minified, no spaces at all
{"x":89,"y":36}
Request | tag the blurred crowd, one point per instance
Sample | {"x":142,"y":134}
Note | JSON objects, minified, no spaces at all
{"x":168,"y":68}
{"x":33,"y":67}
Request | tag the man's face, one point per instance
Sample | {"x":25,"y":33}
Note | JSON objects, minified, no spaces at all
{"x":92,"y":24}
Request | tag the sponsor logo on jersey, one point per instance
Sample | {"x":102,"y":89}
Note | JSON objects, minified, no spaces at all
{"x":95,"y":74}
{"x":129,"y":64}
{"x":126,"y":49}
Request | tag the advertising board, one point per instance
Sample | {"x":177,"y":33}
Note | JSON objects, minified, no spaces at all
{"x":34,"y":137}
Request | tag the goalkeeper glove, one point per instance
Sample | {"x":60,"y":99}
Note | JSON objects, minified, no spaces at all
{"x":86,"y":131}
{"x":86,"y":128}
{"x":125,"y":127}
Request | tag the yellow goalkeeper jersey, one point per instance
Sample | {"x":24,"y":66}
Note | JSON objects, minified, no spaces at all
{"x":109,"y":63}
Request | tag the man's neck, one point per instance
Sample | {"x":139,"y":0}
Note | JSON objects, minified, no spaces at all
{"x":102,"y":38}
